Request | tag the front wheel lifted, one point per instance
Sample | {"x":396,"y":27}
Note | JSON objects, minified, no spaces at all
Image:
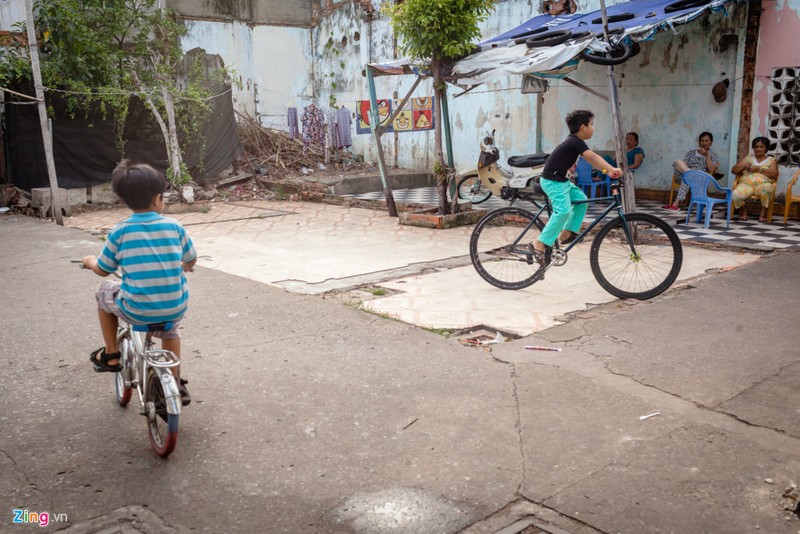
{"x":499,"y":248}
{"x":644,"y":270}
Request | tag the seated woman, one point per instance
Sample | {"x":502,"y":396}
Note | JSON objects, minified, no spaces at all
{"x":633,"y":153}
{"x":697,"y":159}
{"x":756,"y":175}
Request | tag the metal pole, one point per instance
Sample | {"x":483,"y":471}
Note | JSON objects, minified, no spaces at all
{"x":55,"y":201}
{"x":448,"y":138}
{"x":628,"y":194}
{"x":448,"y":143}
{"x":374,"y":123}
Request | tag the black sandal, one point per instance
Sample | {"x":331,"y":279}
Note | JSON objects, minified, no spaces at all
{"x":539,"y":256}
{"x":101,"y":364}
{"x":186,"y":399}
{"x":570,"y":239}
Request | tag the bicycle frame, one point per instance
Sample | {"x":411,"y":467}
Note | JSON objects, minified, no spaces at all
{"x":616,"y":203}
{"x":143,"y":357}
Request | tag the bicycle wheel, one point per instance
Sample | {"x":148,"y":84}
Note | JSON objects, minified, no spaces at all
{"x":647,"y":272}
{"x":125,"y":347}
{"x":499,"y":248}
{"x":162,"y":426}
{"x":471,"y":189}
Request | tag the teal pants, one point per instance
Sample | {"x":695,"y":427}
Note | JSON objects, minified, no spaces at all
{"x":565,"y":216}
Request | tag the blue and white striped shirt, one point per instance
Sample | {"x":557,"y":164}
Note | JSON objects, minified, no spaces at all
{"x":148,"y":249}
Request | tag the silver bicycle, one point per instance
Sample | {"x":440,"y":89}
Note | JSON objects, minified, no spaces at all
{"x":147,"y":369}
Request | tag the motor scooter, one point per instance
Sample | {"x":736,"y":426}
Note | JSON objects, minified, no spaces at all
{"x":489,"y":178}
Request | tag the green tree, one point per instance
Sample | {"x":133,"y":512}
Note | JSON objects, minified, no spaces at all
{"x":434,"y":33}
{"x":100,"y":52}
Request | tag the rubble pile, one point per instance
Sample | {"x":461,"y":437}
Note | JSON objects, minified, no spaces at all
{"x":266,"y":148}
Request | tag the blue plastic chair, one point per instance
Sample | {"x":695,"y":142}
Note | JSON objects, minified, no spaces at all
{"x":585,"y":182}
{"x":699,"y":183}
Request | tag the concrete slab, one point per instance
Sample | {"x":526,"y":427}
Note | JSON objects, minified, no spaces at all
{"x":772,"y":402}
{"x":277,"y":242}
{"x":307,"y":247}
{"x":459,"y":298}
{"x":713,"y":479}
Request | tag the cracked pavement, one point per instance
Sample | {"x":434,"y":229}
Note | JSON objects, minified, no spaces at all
{"x":306,"y":410}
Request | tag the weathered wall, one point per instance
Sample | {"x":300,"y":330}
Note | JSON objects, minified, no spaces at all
{"x":665,"y":96}
{"x":345,"y":41}
{"x":11,"y":12}
{"x":278,"y":12}
{"x":271,"y":65}
{"x":665,"y":93}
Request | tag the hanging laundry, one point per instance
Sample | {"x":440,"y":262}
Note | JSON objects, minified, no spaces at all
{"x":344,"y":121}
{"x":313,"y":125}
{"x":330,"y":127}
{"x":294,"y":130}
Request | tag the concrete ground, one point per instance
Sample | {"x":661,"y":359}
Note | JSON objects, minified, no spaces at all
{"x":312,"y":415}
{"x":431,"y":282}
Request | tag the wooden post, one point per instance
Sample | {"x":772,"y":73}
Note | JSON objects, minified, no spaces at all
{"x":55,"y":201}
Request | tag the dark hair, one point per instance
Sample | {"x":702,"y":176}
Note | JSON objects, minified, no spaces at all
{"x":578,"y":118}
{"x":137,"y":184}
{"x":763,"y":140}
{"x":635,"y":136}
{"x":704,"y":134}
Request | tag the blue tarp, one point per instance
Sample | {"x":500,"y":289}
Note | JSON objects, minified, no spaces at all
{"x":636,"y":20}
{"x":648,"y":17}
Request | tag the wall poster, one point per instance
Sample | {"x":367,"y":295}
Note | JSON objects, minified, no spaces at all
{"x":417,"y":115}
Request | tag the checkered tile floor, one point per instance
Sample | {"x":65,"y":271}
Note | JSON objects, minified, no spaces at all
{"x":749,"y":234}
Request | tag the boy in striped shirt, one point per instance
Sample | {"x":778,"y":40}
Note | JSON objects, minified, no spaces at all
{"x":152,"y":252}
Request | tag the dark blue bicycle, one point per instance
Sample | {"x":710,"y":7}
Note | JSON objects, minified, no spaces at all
{"x":634,"y":255}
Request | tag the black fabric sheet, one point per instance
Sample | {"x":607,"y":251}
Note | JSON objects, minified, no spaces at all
{"x":85,"y":148}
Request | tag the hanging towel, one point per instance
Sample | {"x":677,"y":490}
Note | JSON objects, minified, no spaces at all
{"x":344,"y":121}
{"x":330,"y":127}
{"x":294,"y":130}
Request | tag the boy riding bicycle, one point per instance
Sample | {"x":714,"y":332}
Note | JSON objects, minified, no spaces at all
{"x":565,"y":221}
{"x":151,"y":252}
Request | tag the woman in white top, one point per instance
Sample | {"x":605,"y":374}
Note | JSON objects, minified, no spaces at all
{"x":756,"y":175}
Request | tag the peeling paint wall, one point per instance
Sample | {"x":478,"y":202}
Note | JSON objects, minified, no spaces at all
{"x":271,"y":64}
{"x":780,"y":19}
{"x":275,"y":12}
{"x":360,"y":35}
{"x":665,"y":91}
{"x":11,"y":12}
{"x":665,"y":96}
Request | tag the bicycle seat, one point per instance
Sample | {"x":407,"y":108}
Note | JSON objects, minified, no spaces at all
{"x":155,"y":327}
{"x":530,"y":160}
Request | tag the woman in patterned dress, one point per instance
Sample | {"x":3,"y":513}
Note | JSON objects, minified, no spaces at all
{"x":698,"y":159}
{"x":756,"y":175}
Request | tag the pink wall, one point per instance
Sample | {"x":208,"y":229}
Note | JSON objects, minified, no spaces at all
{"x":777,"y":47}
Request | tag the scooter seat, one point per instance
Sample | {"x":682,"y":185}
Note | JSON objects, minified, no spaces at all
{"x":531,"y":160}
